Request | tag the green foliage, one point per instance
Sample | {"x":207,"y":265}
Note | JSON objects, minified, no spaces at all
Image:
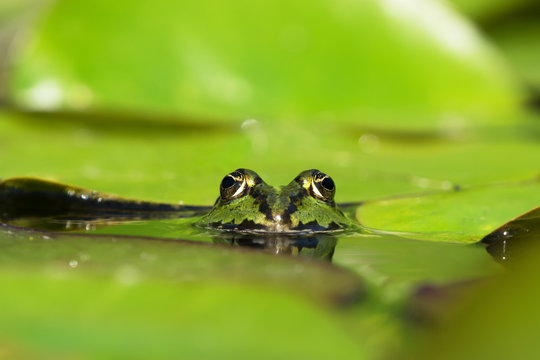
{"x":465,"y":215}
{"x":504,"y":310}
{"x":387,"y":100}
{"x":306,"y":61}
{"x":519,"y":41}
{"x":486,"y":10}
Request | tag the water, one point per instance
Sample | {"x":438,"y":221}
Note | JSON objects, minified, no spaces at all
{"x":389,"y":263}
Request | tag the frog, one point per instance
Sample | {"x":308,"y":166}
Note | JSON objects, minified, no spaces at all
{"x":246,"y":203}
{"x":299,"y":217}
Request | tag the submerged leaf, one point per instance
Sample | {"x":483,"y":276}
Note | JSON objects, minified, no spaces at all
{"x":172,"y":260}
{"x":112,"y":297}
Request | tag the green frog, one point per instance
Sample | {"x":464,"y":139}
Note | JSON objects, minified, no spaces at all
{"x":246,"y":204}
{"x":300,"y":217}
{"x":305,"y":205}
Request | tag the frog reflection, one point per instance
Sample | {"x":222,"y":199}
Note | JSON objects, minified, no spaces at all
{"x":317,"y":246}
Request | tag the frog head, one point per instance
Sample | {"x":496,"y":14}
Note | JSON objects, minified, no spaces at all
{"x":247,"y":203}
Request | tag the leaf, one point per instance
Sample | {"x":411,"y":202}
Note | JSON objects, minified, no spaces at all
{"x":465,"y":215}
{"x":504,"y":310}
{"x":109,"y":296}
{"x":304,"y":61}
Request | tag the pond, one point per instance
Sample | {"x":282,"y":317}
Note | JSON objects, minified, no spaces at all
{"x":418,"y":233}
{"x":74,"y":234}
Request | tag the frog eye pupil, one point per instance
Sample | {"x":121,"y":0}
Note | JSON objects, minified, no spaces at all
{"x":232,"y":186}
{"x":328,"y":183}
{"x":323,"y":186}
{"x":227,"y":182}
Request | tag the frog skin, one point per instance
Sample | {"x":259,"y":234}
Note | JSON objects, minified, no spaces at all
{"x":305,"y":205}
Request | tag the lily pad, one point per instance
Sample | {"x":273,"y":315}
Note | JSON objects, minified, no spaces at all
{"x":177,"y":166}
{"x":304,"y":61}
{"x":464,"y":215}
{"x":385,"y":116}
{"x":174,"y":260}
{"x":504,"y":310}
{"x":157,"y":298}
{"x":517,"y":39}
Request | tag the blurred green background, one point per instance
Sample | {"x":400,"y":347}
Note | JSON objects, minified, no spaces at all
{"x":158,"y":100}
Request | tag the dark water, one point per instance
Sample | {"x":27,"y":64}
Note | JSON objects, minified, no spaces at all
{"x":513,"y":240}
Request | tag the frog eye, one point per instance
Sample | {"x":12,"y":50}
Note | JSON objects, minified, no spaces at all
{"x":323,"y":186}
{"x":232,"y":186}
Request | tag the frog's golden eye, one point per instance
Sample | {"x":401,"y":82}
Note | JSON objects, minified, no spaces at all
{"x":323,"y":187}
{"x":233,"y":185}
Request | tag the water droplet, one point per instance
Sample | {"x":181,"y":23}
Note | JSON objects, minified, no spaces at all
{"x":256,"y":134}
{"x":369,"y":143}
{"x":84,"y":257}
{"x":45,"y":95}
{"x":127,"y":275}
{"x":446,"y":185}
{"x":421,"y":181}
{"x":73,"y":264}
{"x":147,"y":256}
{"x":248,"y":123}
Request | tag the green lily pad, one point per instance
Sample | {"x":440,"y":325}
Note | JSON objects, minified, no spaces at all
{"x":174,"y":260}
{"x":518,"y":40}
{"x":402,"y":106}
{"x":177,"y":166}
{"x":504,"y":310}
{"x":157,"y":298}
{"x":465,"y":215}
{"x":305,"y":61}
